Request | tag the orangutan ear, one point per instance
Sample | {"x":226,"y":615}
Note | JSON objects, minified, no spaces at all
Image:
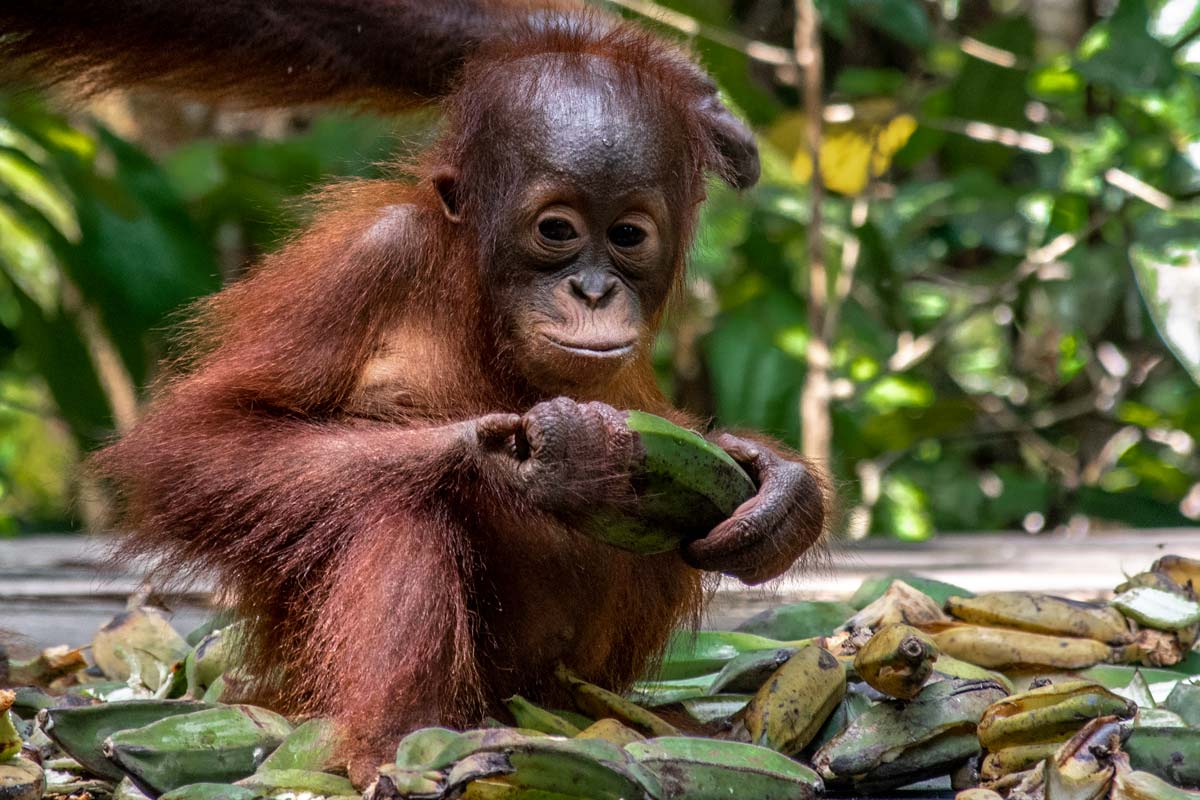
{"x":735,"y":143}
{"x":445,"y":182}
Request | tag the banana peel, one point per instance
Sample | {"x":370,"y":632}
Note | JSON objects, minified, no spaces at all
{"x":886,"y":732}
{"x":1083,"y":768}
{"x":1048,"y":714}
{"x":900,"y":604}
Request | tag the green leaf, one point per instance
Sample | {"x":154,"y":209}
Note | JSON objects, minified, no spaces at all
{"x":1166,"y":262}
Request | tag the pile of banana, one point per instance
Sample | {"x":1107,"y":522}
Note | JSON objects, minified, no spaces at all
{"x":910,"y":683}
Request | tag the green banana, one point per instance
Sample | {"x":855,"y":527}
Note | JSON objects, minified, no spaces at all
{"x":533,"y":717}
{"x":747,"y":671}
{"x":311,"y":746}
{"x":81,"y":730}
{"x":897,"y":661}
{"x":1132,"y":785}
{"x":1184,"y":700}
{"x":217,"y":744}
{"x":703,"y":653}
{"x":998,"y":648}
{"x":717,"y":708}
{"x":1172,"y":754}
{"x":940,"y":755}
{"x":889,"y":732}
{"x":395,"y":781}
{"x":591,"y":768}
{"x":10,"y":739}
{"x":790,"y":708}
{"x":1048,"y":714}
{"x":210,"y":791}
{"x":600,"y":703}
{"x":210,"y":658}
{"x":709,"y":769}
{"x":1042,"y":613}
{"x":685,"y":484}
{"x":271,"y":782}
{"x":798,"y":620}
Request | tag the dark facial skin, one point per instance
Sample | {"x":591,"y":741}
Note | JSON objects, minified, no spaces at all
{"x":580,"y":271}
{"x":590,"y":255}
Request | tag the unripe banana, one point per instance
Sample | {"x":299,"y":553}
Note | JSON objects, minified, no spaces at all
{"x":791,"y":706}
{"x":1048,"y":714}
{"x":10,"y":740}
{"x":533,"y":717}
{"x":685,"y":484}
{"x":600,"y":703}
{"x":897,"y":661}
{"x":998,"y":648}
{"x":1042,"y":613}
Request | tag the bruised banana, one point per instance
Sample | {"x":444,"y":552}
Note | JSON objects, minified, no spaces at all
{"x":1042,"y":613}
{"x":1048,"y":714}
{"x":897,"y":661}
{"x":1000,"y":648}
{"x":685,"y":485}
{"x":790,"y":708}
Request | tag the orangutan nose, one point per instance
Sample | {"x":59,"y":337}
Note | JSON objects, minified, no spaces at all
{"x":593,"y":289}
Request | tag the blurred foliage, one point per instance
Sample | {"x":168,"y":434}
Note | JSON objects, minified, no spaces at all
{"x":1013,"y":237}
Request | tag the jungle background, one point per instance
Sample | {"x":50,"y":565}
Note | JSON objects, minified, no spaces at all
{"x":981,"y":310}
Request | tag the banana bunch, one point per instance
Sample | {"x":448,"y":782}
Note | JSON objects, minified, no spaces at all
{"x":897,"y":661}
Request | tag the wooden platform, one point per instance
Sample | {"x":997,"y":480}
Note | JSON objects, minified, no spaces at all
{"x":59,"y":590}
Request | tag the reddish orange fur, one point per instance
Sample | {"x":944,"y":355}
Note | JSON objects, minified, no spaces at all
{"x":304,"y":456}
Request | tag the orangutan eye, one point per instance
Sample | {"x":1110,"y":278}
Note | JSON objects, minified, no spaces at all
{"x":626,"y":235}
{"x":557,"y":229}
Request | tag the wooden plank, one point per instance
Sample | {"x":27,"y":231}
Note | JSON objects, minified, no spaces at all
{"x":59,"y":589}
